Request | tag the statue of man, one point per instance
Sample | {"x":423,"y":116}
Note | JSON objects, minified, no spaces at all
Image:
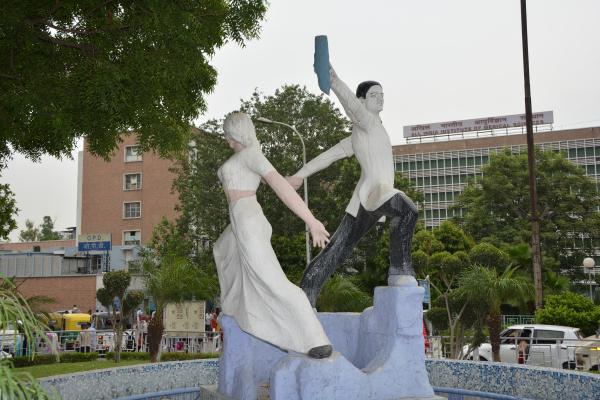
{"x":374,"y":197}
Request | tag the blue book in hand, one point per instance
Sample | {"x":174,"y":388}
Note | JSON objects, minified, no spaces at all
{"x":322,"y":63}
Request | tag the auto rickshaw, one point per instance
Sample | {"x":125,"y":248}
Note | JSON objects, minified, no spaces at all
{"x":69,"y":325}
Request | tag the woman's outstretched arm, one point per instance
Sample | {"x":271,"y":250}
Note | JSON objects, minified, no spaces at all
{"x":292,"y":200}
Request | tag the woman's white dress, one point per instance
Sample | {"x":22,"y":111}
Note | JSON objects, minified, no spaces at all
{"x":254,"y":288}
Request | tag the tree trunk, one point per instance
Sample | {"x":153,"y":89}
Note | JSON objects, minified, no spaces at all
{"x":494,"y":322}
{"x":451,"y":328}
{"x":117,"y":343}
{"x":155,"y":333}
{"x":118,"y":340}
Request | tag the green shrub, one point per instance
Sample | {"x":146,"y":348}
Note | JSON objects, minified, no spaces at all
{"x":130,"y":355}
{"x":42,"y":359}
{"x":490,"y":256}
{"x":177,"y":356}
{"x":570,"y":309}
{"x":81,"y":357}
{"x":78,"y":357}
{"x":26,"y":361}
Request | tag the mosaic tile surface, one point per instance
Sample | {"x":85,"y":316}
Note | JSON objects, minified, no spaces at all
{"x":514,"y":380}
{"x":509,"y":379}
{"x":126,"y":381}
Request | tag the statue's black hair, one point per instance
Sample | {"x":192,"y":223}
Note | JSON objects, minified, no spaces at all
{"x":363,"y":88}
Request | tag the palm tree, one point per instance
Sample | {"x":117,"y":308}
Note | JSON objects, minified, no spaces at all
{"x":486,"y":287}
{"x":13,"y":308}
{"x":340,"y":294}
{"x":173,"y":279}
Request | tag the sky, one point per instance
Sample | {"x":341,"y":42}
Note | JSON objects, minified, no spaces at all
{"x":437,"y":60}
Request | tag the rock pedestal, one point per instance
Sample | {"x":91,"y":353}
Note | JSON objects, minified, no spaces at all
{"x":378,"y":354}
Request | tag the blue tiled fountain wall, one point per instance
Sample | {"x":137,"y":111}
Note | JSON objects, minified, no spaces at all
{"x":500,"y":378}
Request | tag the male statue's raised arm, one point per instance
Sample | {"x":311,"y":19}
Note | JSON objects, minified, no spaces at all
{"x":354,"y":107}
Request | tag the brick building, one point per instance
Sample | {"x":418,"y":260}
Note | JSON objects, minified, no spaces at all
{"x":125,"y":196}
{"x":67,"y":291}
{"x":46,"y":245}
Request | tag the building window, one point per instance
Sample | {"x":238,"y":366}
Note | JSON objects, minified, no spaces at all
{"x":132,"y":181}
{"x":132,"y":153}
{"x":132,"y":210}
{"x":132,"y":238}
{"x":590,"y":169}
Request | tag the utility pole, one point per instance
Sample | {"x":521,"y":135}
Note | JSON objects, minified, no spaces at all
{"x":535,"y":218}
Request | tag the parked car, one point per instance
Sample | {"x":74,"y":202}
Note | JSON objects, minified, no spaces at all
{"x":535,"y":344}
{"x":587,"y":354}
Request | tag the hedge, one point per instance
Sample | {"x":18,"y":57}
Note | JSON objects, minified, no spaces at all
{"x":178,"y":356}
{"x":129,"y":355}
{"x":42,"y":359}
{"x":26,"y":361}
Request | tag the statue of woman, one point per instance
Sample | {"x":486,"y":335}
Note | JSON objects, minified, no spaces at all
{"x":254,"y":288}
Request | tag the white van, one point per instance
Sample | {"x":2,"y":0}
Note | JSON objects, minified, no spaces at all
{"x":541,"y":345}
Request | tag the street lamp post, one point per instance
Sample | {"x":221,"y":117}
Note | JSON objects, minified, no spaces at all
{"x":293,"y":128}
{"x":589,"y":263}
{"x":536,"y":255}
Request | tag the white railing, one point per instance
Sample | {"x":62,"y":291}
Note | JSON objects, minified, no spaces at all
{"x":207,"y":342}
{"x":103,"y":341}
{"x":517,"y":319}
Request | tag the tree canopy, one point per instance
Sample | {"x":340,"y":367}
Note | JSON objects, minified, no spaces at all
{"x":115,"y":289}
{"x":8,"y":209}
{"x":570,"y":309}
{"x":489,"y":289}
{"x":30,"y":233}
{"x":96,"y":69}
{"x":496,"y":206}
{"x":172,"y":278}
{"x":45,"y":231}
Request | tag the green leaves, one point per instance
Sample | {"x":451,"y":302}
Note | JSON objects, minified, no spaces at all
{"x":570,"y":309}
{"x":496,"y":207}
{"x":132,"y":300}
{"x":115,"y":287}
{"x":489,"y":256}
{"x":176,"y":279}
{"x":340,"y":294}
{"x":105,"y":297}
{"x":21,"y":385}
{"x":84,"y":69}
{"x":116,"y":283}
{"x":15,"y":310}
{"x":483,"y":285}
{"x":8,"y":210}
{"x":45,"y":231}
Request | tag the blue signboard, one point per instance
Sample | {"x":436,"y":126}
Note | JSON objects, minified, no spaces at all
{"x":94,"y":246}
{"x":95,"y":242}
{"x":427,"y":295}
